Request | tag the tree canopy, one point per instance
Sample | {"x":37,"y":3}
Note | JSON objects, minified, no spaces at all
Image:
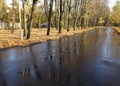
{"x":115,"y":16}
{"x":3,"y":10}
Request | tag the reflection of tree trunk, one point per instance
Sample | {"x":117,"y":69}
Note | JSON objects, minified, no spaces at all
{"x":60,"y":52}
{"x":49,"y":17}
{"x":31,"y":19}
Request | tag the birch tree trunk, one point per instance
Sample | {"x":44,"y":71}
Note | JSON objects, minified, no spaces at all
{"x":24,"y":19}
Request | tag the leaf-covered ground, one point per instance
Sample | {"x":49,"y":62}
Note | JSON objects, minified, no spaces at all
{"x":117,"y":30}
{"x":38,"y":35}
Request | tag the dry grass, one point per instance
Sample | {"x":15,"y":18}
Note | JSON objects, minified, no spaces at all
{"x":117,"y":30}
{"x":38,"y":35}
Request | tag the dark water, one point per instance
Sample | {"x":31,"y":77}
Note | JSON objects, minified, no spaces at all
{"x":87,"y":59}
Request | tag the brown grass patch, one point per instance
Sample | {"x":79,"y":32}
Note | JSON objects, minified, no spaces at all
{"x":38,"y":35}
{"x":117,"y":30}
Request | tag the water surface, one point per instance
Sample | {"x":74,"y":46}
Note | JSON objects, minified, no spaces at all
{"x":88,"y":59}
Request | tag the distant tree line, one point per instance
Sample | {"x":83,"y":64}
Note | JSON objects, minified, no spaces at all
{"x":60,"y":14}
{"x":115,"y":15}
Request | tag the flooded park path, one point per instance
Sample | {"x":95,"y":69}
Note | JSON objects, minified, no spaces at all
{"x":87,"y":59}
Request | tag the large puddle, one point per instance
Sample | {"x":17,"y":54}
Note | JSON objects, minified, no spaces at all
{"x":87,"y":59}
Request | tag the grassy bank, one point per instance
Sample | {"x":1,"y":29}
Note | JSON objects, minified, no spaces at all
{"x":117,"y":29}
{"x":38,"y":35}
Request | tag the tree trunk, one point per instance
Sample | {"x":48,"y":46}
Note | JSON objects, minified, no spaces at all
{"x":13,"y":17}
{"x":68,"y":27}
{"x":49,"y":17}
{"x":31,"y":19}
{"x":46,"y":8}
{"x":74,"y":26}
{"x":57,"y":14}
{"x":76,"y":14}
{"x":82,"y":14}
{"x":24,"y":19}
{"x":69,"y":15}
{"x":60,"y":20}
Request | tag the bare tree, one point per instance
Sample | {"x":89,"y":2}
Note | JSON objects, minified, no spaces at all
{"x":31,"y":18}
{"x":49,"y":17}
{"x":76,"y":12}
{"x":13,"y":16}
{"x":57,"y":13}
{"x":69,"y":13}
{"x":61,"y":14}
{"x":24,"y":18}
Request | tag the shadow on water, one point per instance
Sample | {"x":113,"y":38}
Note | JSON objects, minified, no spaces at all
{"x":64,"y":62}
